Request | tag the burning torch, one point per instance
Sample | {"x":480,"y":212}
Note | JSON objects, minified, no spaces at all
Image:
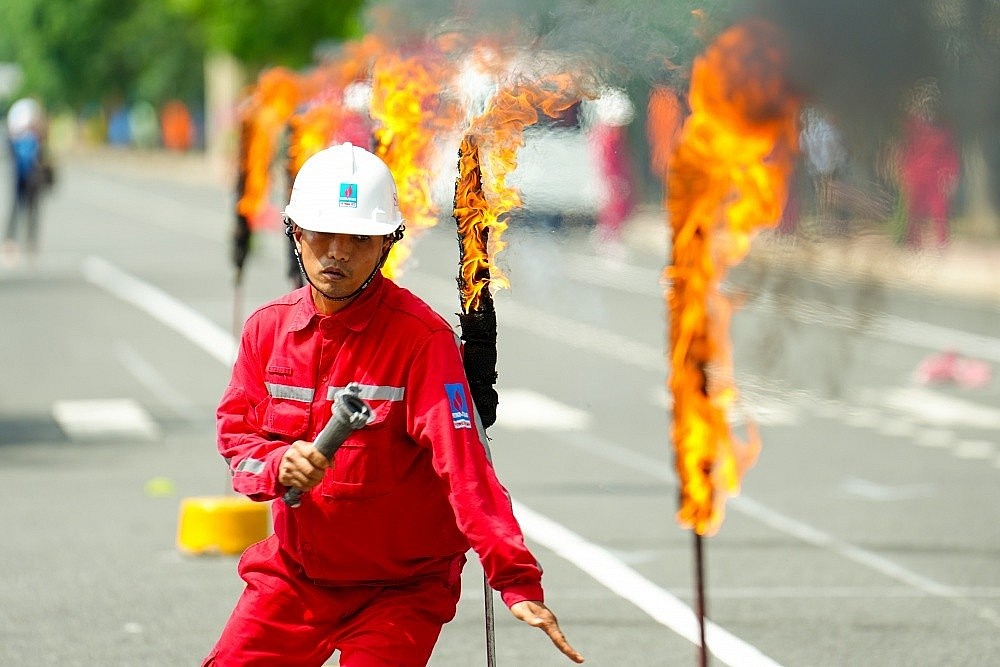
{"x":478,"y":317}
{"x":727,"y":177}
{"x":349,"y":413}
{"x":504,"y":122}
{"x":241,"y":230}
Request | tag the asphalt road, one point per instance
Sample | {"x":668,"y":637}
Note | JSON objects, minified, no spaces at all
{"x":867,"y":533}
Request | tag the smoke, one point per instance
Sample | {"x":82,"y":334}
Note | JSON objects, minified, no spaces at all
{"x":865,"y":59}
{"x":860,"y":59}
{"x":612,"y":44}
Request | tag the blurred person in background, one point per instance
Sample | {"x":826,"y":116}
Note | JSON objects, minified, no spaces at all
{"x":929,"y":168}
{"x":143,"y":125}
{"x":27,"y":130}
{"x":825,"y":154}
{"x":612,"y":113}
{"x":665,"y":115}
{"x":176,"y":126}
{"x":119,"y":131}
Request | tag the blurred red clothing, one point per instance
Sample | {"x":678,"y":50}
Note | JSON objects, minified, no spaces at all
{"x":611,"y":150}
{"x":929,"y":169}
{"x":177,"y":127}
{"x":664,"y":117}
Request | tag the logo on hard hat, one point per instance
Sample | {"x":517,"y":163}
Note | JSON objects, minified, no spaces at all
{"x":348,"y":195}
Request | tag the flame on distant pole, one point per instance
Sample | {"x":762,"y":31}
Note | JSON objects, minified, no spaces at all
{"x":727,"y":178}
{"x":411,"y":110}
{"x":264,"y":116}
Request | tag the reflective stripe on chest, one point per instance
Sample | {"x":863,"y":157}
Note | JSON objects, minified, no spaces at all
{"x":372,"y":392}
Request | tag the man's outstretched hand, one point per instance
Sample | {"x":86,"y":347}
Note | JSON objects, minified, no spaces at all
{"x":538,"y":615}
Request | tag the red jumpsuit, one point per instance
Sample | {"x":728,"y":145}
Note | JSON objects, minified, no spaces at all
{"x":369,"y":563}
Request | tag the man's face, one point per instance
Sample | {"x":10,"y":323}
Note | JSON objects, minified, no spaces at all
{"x":338,"y":264}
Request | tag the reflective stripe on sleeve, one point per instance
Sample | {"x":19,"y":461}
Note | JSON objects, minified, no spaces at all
{"x":303,"y":394}
{"x":251,"y":466}
{"x":371,"y":392}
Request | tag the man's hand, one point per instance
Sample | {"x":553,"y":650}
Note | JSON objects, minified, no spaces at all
{"x":538,"y":615}
{"x":302,"y":467}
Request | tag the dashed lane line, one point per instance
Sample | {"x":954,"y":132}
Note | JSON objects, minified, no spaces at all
{"x":648,"y":466}
{"x":198,"y":329}
{"x":892,"y":328}
{"x":96,"y":419}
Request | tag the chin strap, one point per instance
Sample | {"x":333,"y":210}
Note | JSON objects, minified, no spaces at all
{"x":395,"y":236}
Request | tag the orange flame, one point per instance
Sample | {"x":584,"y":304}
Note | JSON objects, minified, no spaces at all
{"x":482,"y":195}
{"x":473,"y":218}
{"x":263,"y":116}
{"x":727,"y":178}
{"x":411,"y":111}
{"x":324,"y":118}
{"x":311,"y":132}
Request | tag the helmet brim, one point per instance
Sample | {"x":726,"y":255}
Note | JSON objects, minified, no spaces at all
{"x":316,"y":221}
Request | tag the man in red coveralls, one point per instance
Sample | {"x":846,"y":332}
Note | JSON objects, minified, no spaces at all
{"x":369,"y":563}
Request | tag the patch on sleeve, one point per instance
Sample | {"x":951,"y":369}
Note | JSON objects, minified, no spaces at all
{"x":459,"y":405}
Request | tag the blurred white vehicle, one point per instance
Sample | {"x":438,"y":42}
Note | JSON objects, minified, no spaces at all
{"x":557,"y":174}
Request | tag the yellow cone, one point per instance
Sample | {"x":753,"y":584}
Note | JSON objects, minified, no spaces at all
{"x":221,"y":524}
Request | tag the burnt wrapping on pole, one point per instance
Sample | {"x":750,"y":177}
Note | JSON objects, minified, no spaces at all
{"x":479,"y":331}
{"x":241,"y":231}
{"x":478,"y":319}
{"x":293,"y":271}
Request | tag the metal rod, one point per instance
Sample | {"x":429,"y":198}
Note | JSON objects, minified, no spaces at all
{"x":237,"y":313}
{"x":237,"y":331}
{"x":491,"y":652}
{"x":699,"y":586}
{"x":478,"y":322}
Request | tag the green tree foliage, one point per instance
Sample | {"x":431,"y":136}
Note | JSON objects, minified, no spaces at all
{"x":76,"y":53}
{"x":79,"y":52}
{"x":272,"y":32}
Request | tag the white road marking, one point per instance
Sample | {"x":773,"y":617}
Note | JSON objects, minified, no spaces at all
{"x":818,"y":538}
{"x":104,"y":418}
{"x":649,"y":282}
{"x":897,"y":428}
{"x":933,"y":438}
{"x":622,"y":456}
{"x":154,"y":381}
{"x":869,"y":490}
{"x":524,"y":409}
{"x":660,"y":605}
{"x":930,"y":407}
{"x":908,"y":401}
{"x":975,"y":449}
{"x":881,"y":326}
{"x":197,"y":328}
{"x":841,"y":592}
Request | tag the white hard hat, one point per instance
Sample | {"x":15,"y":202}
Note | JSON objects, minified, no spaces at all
{"x":23,"y":115}
{"x":345,"y":189}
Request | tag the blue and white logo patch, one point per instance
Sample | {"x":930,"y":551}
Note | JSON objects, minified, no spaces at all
{"x":459,"y":405}
{"x":348,"y":195}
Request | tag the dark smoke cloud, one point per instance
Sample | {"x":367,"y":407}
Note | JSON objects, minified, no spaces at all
{"x":862,"y":59}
